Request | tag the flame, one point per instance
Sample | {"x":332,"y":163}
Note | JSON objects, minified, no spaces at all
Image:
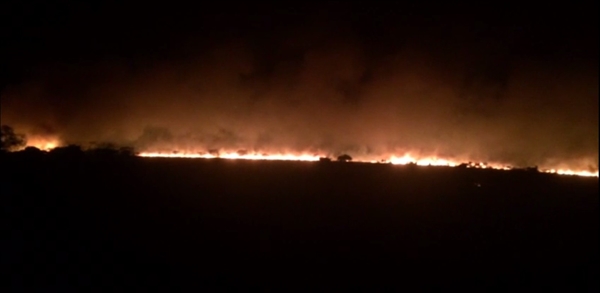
{"x":43,"y":143}
{"x":432,"y":161}
{"x":48,"y":143}
{"x":396,"y":160}
{"x":235,"y":155}
{"x":572,"y":173}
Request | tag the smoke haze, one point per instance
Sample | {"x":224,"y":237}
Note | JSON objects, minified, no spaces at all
{"x":330,"y":81}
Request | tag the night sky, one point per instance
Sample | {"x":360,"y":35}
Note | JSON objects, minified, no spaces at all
{"x":511,"y":83}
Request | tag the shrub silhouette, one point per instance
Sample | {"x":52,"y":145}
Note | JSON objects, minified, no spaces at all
{"x":70,"y":151}
{"x":344,"y":158}
{"x":533,"y":169}
{"x":104,"y":151}
{"x":109,"y":150}
{"x":32,"y":152}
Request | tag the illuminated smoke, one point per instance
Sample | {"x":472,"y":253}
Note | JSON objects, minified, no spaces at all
{"x":439,"y":94}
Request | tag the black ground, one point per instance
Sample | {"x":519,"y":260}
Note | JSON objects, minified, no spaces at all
{"x":83,"y":224}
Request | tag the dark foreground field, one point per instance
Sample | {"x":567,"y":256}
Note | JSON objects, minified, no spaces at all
{"x":81,"y":224}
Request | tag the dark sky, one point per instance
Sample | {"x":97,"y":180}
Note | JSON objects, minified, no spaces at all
{"x":516,"y":83}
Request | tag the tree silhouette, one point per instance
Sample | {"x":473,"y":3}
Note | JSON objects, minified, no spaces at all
{"x":11,"y":141}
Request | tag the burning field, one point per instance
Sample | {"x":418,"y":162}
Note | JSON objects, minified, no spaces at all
{"x":404,"y":160}
{"x":263,"y":146}
{"x":47,"y":144}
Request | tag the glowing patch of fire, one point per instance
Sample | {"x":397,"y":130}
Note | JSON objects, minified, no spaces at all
{"x":404,"y":160}
{"x":268,"y":157}
{"x":571,"y":172}
{"x":407,"y":159}
{"x":42,"y":143}
{"x":46,"y":143}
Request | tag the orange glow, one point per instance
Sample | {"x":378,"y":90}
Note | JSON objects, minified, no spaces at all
{"x":396,"y":160}
{"x":42,"y":143}
{"x":234,"y":155}
{"x":431,"y":161}
{"x":573,"y":173}
{"x":48,"y":143}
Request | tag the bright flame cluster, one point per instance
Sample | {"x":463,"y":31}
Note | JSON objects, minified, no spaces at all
{"x":48,"y":143}
{"x":571,"y":172}
{"x":267,"y":157}
{"x":407,"y":159}
{"x":403,"y":160}
{"x":42,"y":143}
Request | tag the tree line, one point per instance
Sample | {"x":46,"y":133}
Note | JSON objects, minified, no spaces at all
{"x":16,"y":143}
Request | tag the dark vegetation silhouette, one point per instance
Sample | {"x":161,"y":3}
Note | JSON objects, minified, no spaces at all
{"x":344,"y":158}
{"x":69,"y":151}
{"x":102,"y":217}
{"x":9,"y":140}
{"x":99,"y":151}
{"x":14,"y":144}
{"x":31,"y":153}
{"x":108,"y":150}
